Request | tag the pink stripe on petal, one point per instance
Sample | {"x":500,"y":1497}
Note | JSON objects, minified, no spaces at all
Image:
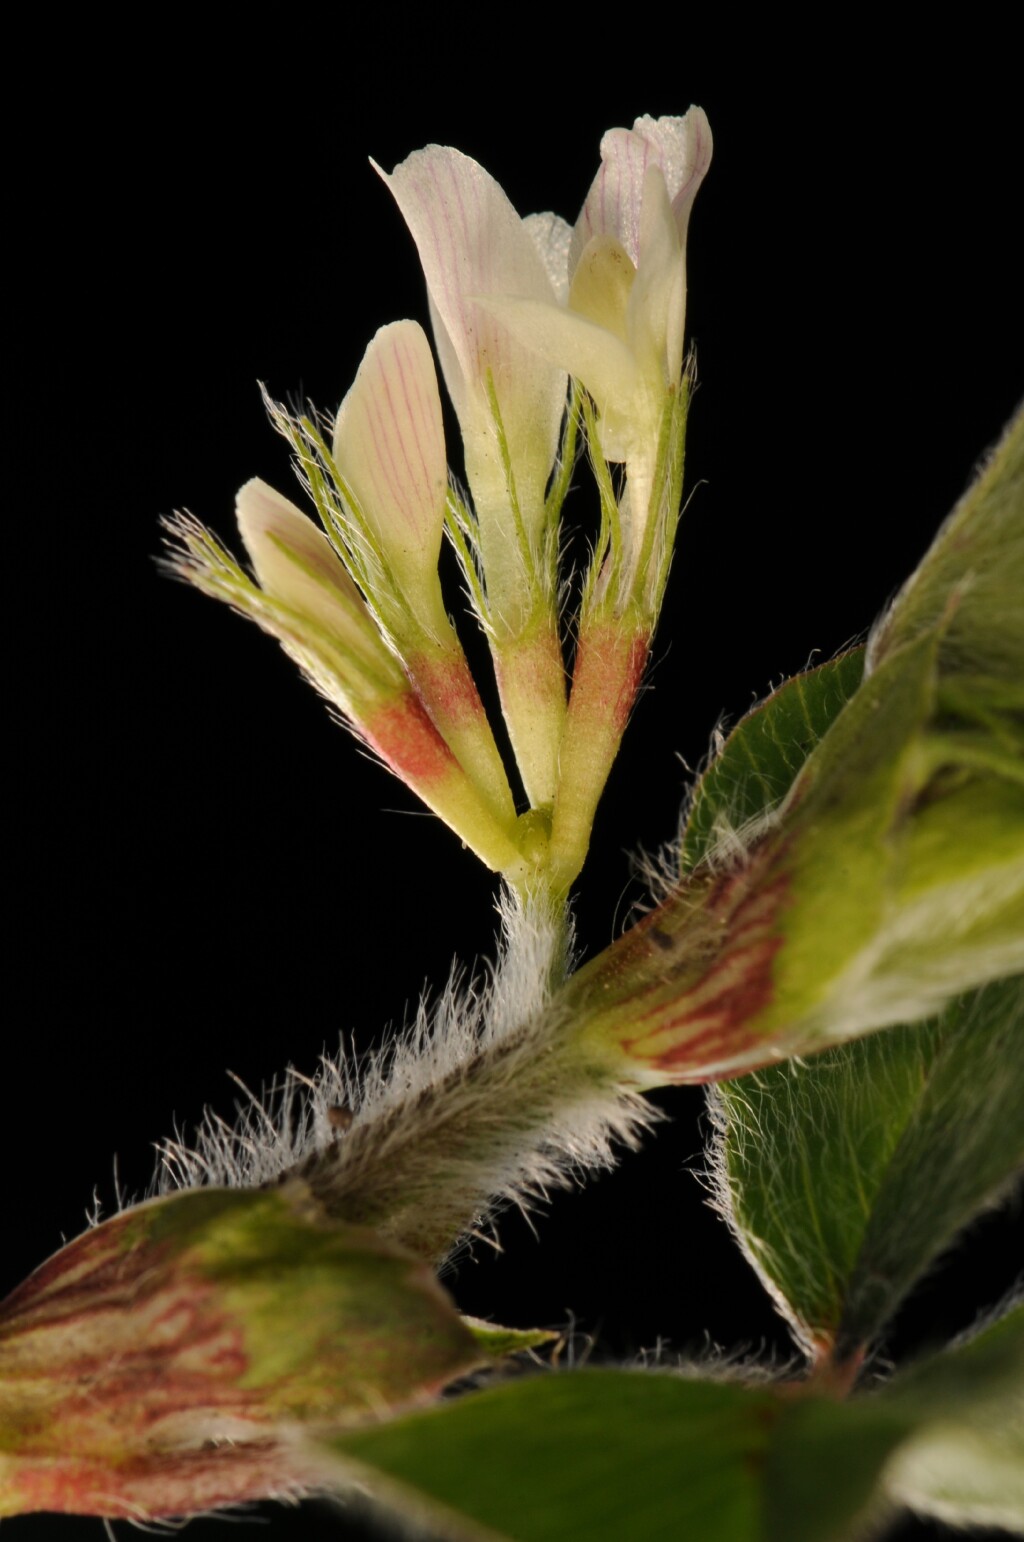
{"x":680,"y":147}
{"x":472,"y":244}
{"x":389,"y":446}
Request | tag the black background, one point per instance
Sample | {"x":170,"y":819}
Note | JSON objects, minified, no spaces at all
{"x":206,"y":873}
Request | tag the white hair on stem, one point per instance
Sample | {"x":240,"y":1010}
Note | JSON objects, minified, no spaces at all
{"x":484,"y":1099}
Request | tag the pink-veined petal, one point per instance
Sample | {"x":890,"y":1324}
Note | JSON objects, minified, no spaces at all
{"x":683,"y":151}
{"x":680,"y":147}
{"x":612,"y":206}
{"x":552,"y":236}
{"x":657,"y":300}
{"x":463,"y":400}
{"x":471,"y":241}
{"x":389,"y":447}
{"x":296,"y":564}
{"x":472,"y":244}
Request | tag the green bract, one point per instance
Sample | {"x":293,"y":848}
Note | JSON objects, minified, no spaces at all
{"x":157,"y":1365}
{"x":882,"y":876}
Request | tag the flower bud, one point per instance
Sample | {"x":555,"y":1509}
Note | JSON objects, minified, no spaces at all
{"x":890,"y":878}
{"x":389,"y":447}
{"x":164,"y":1362}
{"x":307,"y":600}
{"x":389,"y":453}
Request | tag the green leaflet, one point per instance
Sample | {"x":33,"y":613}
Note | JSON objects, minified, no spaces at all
{"x":644,"y":1455}
{"x":764,"y":752}
{"x":965,"y":1466}
{"x":965,"y":1476}
{"x":594,"y":1454}
{"x":966,"y":594}
{"x":649,"y":1455}
{"x":971,"y":579}
{"x":825,"y":1466}
{"x":844,"y":1176}
{"x":901,"y":839}
{"x":981,"y":1373}
{"x":905,"y":861}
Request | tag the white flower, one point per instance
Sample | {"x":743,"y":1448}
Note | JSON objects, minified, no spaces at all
{"x":473,"y":245}
{"x":621,"y":333}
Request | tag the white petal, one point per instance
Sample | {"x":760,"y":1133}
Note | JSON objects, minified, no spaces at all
{"x":657,"y":301}
{"x":612,"y":207}
{"x":472,"y":243}
{"x":683,"y":151}
{"x":602,"y":283}
{"x":681,"y":147}
{"x":389,"y":446}
{"x":458,"y":386}
{"x":296,"y":564}
{"x":552,"y":235}
{"x":590,"y":352}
